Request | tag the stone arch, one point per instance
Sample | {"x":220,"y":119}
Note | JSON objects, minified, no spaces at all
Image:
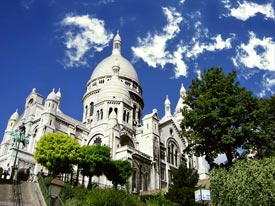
{"x":96,"y":139}
{"x":126,"y":140}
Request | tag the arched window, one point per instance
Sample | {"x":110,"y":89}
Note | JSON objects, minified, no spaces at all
{"x":172,"y":153}
{"x":30,"y":102}
{"x":127,"y":117}
{"x":124,"y":115}
{"x":110,"y":110}
{"x":86,"y":111}
{"x":169,"y":153}
{"x":97,"y":115}
{"x":101,"y":114}
{"x":115,"y":110}
{"x":91,"y":108}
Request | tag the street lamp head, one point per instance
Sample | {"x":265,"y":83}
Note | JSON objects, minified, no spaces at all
{"x":55,"y":187}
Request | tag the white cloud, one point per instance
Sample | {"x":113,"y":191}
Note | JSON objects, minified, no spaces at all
{"x":198,"y":72}
{"x":106,"y":1}
{"x":153,"y":48}
{"x":180,"y":68}
{"x":247,"y":10}
{"x":182,"y":1}
{"x":27,"y":4}
{"x":217,"y":44}
{"x":257,"y":53}
{"x":90,"y":35}
{"x":268,"y":85}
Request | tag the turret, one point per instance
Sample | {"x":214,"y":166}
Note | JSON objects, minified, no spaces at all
{"x":51,"y":102}
{"x":180,"y":105}
{"x":58,"y":98}
{"x":12,"y":121}
{"x":167,"y":106}
{"x":117,"y":44}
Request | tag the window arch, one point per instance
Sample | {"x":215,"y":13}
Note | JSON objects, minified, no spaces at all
{"x":110,"y":110}
{"x":91,"y":108}
{"x":30,"y":102}
{"x":172,"y":152}
{"x":101,"y":114}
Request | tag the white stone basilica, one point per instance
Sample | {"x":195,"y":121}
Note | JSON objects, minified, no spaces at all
{"x":112,"y":116}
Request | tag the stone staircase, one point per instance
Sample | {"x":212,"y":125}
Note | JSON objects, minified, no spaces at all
{"x":31,"y":194}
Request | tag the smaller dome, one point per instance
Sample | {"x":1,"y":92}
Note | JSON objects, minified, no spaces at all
{"x":58,"y":94}
{"x":15,"y":115}
{"x":52,"y":96}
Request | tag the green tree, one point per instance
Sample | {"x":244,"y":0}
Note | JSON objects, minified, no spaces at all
{"x":245,"y":183}
{"x":184,"y":185}
{"x":263,"y":141}
{"x":219,"y":115}
{"x":118,"y":171}
{"x":57,"y":152}
{"x":93,"y":160}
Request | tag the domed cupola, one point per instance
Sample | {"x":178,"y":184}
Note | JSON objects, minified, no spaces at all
{"x":52,"y":96}
{"x":103,"y":69}
{"x":15,"y":115}
{"x":114,"y":77}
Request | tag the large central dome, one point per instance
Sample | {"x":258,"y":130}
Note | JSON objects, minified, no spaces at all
{"x":104,"y":68}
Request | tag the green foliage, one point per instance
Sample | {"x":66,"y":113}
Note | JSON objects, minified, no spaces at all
{"x":101,"y":197}
{"x":263,"y":141}
{"x":93,"y":159}
{"x":57,"y":152}
{"x":158,"y":199}
{"x":118,"y":171}
{"x":47,"y":180}
{"x":219,"y":115}
{"x":182,"y":190}
{"x":73,"y":194}
{"x":250,"y":183}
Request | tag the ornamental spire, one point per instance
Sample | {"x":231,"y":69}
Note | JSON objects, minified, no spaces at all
{"x":117,"y":44}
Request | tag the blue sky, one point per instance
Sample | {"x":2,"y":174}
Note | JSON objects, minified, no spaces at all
{"x":50,"y":44}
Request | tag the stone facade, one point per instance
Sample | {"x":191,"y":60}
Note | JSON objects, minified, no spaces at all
{"x":112,"y":116}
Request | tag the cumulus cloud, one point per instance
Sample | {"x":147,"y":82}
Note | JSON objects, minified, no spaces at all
{"x":247,"y":10}
{"x":153,"y":48}
{"x":85,"y":34}
{"x":257,"y":53}
{"x":217,"y":44}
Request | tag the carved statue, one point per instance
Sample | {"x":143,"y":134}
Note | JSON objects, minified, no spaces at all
{"x":19,"y":136}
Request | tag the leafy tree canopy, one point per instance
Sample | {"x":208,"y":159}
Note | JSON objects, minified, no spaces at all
{"x":93,"y":159}
{"x":219,"y":115}
{"x":184,"y":185}
{"x":57,"y":152}
{"x":263,"y":141}
{"x":118,"y":171}
{"x":245,"y":183}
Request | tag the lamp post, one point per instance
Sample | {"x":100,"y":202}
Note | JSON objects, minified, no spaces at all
{"x":18,"y":136}
{"x":54,"y":189}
